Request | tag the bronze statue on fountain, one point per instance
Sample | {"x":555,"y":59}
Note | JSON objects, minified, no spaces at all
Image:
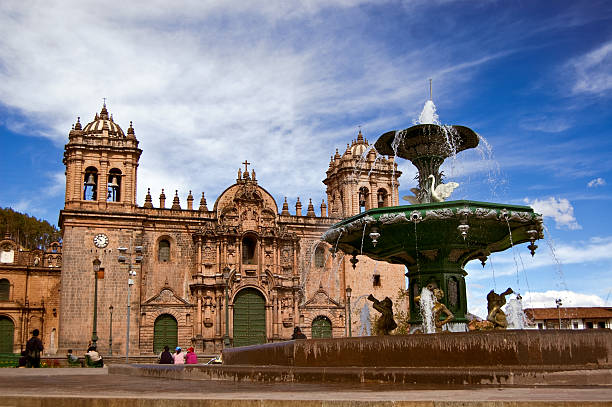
{"x":385,"y":323}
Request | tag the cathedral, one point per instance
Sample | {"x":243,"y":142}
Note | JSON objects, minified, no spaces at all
{"x":235,"y":272}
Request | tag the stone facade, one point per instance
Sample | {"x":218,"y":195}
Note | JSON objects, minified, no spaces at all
{"x":242,"y":272}
{"x":29,"y":295}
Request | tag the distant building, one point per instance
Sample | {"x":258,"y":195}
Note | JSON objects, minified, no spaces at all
{"x":571,"y":317}
{"x":29,"y":295}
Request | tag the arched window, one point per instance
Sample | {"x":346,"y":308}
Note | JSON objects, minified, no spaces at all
{"x":364,"y":194}
{"x":90,"y":184}
{"x":319,"y":257}
{"x":163,"y":251}
{"x":165,"y":333}
{"x":5,"y":290}
{"x":114,"y":185}
{"x":382,"y":198}
{"x":321,"y":327}
{"x":249,"y":245}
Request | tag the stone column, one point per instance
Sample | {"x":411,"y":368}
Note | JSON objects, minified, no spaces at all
{"x":219,"y":315}
{"x":103,"y":178}
{"x":275,"y":316}
{"x":199,"y":314}
{"x":269,"y":316}
{"x":199,"y":258}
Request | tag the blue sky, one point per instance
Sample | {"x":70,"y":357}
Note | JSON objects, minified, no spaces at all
{"x":210,"y":84}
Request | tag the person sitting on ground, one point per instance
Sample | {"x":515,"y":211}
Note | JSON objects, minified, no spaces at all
{"x":94,"y":356}
{"x":72,"y":358}
{"x":166,"y":357}
{"x":297,"y":333}
{"x":179,"y":356}
{"x":34,"y":347}
{"x":191,"y":358}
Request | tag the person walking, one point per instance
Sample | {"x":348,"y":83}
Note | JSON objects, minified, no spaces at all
{"x":166,"y":357}
{"x":179,"y":356}
{"x":33,"y":348}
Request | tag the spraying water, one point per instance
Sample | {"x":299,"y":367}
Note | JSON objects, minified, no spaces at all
{"x":364,"y":318}
{"x":428,"y":114}
{"x":427,"y":303}
{"x":515,"y":315}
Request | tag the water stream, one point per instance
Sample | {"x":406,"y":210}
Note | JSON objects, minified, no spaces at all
{"x":427,"y":303}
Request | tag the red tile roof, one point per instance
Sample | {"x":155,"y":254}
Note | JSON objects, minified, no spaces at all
{"x":569,"y":313}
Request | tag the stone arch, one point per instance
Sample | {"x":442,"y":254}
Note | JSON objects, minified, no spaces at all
{"x":364,"y":199}
{"x":114,"y":185}
{"x":246,"y":285}
{"x":90,"y":184}
{"x":382,"y":197}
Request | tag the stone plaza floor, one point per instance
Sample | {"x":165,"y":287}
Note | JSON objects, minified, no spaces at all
{"x":96,"y":387}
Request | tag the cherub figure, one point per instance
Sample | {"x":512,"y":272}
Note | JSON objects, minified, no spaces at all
{"x":494,"y":303}
{"x":385,"y":323}
{"x":438,"y":308}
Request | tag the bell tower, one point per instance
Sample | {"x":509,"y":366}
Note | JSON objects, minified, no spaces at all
{"x":360,"y":180}
{"x":101,"y":165}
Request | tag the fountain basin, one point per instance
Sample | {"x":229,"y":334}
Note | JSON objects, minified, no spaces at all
{"x":552,"y":349}
{"x":435,"y":241}
{"x":426,"y":140}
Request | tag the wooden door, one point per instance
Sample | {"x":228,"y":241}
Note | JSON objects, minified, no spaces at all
{"x":249,"y":318}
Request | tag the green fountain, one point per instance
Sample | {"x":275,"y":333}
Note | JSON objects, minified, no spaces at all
{"x":432,"y":237}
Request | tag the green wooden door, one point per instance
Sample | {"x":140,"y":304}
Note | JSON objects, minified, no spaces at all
{"x":321,"y":327}
{"x":165,"y":333}
{"x":7,"y":333}
{"x":249,"y":318}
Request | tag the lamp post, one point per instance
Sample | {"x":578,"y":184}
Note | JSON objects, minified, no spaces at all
{"x":226,"y":340}
{"x":125,"y":257}
{"x":558,"y":302}
{"x":110,"y":332}
{"x":348,"y":304}
{"x":94,"y":333}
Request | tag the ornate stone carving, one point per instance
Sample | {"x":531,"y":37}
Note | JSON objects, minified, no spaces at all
{"x":439,"y":214}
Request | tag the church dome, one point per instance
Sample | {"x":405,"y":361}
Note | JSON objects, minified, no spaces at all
{"x":103,"y":123}
{"x":360,"y":146}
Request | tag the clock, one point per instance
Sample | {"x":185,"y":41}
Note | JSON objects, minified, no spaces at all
{"x":100,"y":240}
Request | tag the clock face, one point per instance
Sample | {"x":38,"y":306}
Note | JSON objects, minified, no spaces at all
{"x":101,"y":240}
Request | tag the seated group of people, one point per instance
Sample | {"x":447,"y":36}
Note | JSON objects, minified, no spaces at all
{"x":179,"y":357}
{"x":95,"y":359}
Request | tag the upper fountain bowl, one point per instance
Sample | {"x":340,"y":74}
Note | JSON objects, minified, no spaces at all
{"x":425,"y":140}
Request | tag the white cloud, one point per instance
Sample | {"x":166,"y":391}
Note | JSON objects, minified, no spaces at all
{"x":546,"y":124}
{"x":559,"y":209}
{"x":477,"y":303}
{"x":568,"y":298}
{"x":592,"y":70}
{"x":597,"y":182}
{"x":209,"y":85}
